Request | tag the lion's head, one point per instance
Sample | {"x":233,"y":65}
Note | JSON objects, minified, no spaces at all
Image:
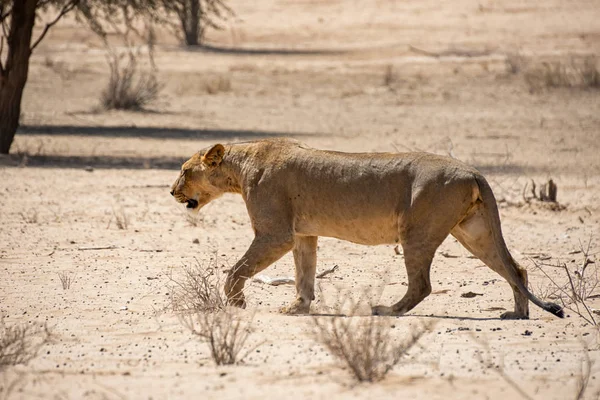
{"x":196,"y":185}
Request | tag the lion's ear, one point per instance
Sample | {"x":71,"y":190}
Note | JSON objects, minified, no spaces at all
{"x":214,"y":155}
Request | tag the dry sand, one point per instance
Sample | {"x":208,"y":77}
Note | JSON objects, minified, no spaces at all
{"x":336,"y":75}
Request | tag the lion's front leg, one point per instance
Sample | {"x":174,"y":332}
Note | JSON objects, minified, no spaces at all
{"x":263,"y":251}
{"x":305,"y":259}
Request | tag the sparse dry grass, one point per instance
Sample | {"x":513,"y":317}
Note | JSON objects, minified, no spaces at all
{"x":576,"y":72}
{"x":120,"y":217}
{"x":65,"y":280}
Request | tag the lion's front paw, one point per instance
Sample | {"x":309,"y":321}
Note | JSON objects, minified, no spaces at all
{"x":237,"y":301}
{"x":381,"y":310}
{"x":297,"y":307}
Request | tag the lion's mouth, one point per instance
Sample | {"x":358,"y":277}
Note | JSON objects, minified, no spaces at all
{"x":191,"y":203}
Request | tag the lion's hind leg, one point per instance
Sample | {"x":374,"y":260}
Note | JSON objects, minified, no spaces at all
{"x":305,"y":259}
{"x":418,"y":260}
{"x":475,"y":234}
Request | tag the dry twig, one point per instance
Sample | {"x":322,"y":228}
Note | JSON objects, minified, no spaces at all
{"x":579,"y":287}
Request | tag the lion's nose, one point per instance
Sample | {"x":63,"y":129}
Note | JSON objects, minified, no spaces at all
{"x":172,"y":193}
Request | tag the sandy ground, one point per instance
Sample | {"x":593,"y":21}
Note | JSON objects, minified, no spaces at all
{"x":337,"y":75}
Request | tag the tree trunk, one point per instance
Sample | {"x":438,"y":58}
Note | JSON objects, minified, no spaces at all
{"x":13,"y":76}
{"x":190,"y":22}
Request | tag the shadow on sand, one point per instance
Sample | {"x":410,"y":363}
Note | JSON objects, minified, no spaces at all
{"x":125,"y":131}
{"x":264,"y":52}
{"x":128,"y":162}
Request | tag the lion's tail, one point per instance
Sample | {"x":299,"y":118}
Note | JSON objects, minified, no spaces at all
{"x":510,"y":264}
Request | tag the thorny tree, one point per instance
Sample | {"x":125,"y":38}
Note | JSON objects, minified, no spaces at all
{"x":17,"y":42}
{"x":17,"y":19}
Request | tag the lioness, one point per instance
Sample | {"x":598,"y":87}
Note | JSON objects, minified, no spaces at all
{"x":294,"y":194}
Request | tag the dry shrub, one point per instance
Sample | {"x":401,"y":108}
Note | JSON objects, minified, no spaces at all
{"x":128,"y":88}
{"x":19,"y":344}
{"x":217,"y":84}
{"x":576,"y":287}
{"x":366,"y":345}
{"x":577,"y":72}
{"x":200,"y":302}
{"x":515,"y":63}
{"x":120,"y":217}
{"x":225,"y":333}
{"x":199,"y":290}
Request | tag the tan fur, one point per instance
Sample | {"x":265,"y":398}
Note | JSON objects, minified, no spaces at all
{"x":294,"y":194}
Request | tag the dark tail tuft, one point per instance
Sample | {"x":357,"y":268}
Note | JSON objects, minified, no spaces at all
{"x":554,"y":309}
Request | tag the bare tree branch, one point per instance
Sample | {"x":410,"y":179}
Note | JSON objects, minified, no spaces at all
{"x":43,"y":3}
{"x":1,"y":51}
{"x":4,"y":28}
{"x":4,"y":15}
{"x":5,"y":10}
{"x":66,"y":8}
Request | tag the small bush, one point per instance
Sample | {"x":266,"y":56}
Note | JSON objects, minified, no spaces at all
{"x":366,"y":345}
{"x":198,"y":290}
{"x":224,"y":332}
{"x":128,"y":87}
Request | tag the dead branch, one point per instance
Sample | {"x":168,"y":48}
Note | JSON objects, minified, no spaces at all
{"x":112,"y":247}
{"x":577,"y":290}
{"x":328,"y":271}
